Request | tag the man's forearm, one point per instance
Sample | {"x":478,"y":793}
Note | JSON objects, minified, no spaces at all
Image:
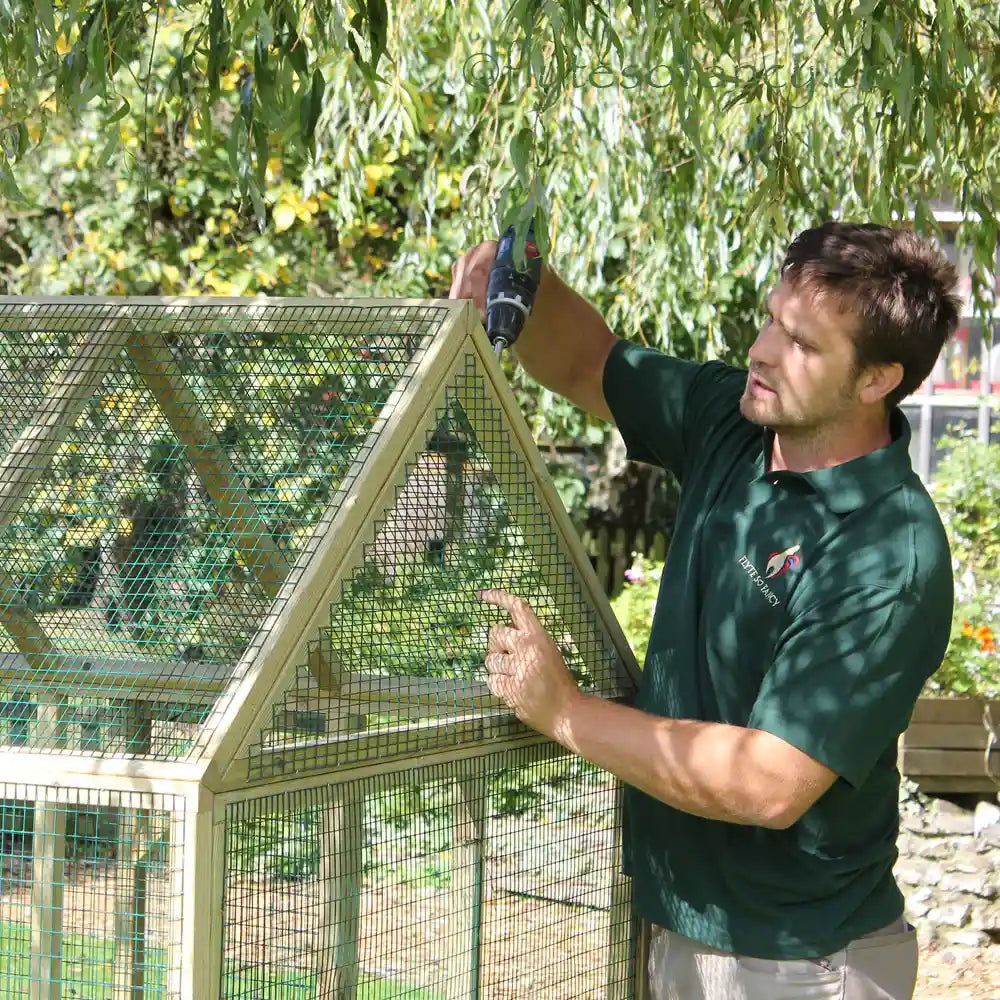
{"x":709,"y":769}
{"x":565,"y":342}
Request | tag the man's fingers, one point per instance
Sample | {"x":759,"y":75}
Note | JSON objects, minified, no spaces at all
{"x":520,"y":612}
{"x":493,"y":662}
{"x":499,"y":685}
{"x":457,"y":273}
{"x":503,"y":638}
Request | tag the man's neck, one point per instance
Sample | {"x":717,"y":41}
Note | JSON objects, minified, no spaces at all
{"x":822,"y":449}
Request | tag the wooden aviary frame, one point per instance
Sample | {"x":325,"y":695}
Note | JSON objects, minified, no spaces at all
{"x":129,"y":834}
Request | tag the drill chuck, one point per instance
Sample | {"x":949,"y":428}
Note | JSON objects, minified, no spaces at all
{"x":511,"y":293}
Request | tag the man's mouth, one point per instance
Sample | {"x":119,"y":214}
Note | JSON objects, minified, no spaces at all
{"x":757,"y":385}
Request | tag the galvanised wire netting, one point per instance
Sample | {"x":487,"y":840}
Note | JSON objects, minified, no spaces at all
{"x":166,"y":466}
{"x":91,"y":886}
{"x":408,"y":635}
{"x":495,"y":877}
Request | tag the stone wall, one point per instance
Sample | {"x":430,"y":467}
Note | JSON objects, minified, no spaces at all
{"x":949,"y":866}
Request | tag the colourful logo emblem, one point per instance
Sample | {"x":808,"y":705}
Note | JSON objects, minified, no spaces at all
{"x":782,"y":562}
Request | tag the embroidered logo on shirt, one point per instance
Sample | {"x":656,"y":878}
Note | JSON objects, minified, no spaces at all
{"x":777,"y":563}
{"x":781,"y":562}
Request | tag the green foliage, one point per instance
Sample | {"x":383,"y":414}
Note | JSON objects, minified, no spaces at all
{"x":668,"y":157}
{"x":634,"y":606}
{"x":967,"y":492}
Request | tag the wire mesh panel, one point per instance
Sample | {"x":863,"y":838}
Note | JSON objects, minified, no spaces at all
{"x":408,"y":634}
{"x":166,"y":467}
{"x":90,"y":894}
{"x":494,"y":877}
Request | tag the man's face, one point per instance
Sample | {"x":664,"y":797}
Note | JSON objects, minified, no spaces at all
{"x":802,"y":372}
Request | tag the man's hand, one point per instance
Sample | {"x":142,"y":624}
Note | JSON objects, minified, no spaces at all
{"x":525,"y":668}
{"x":470,"y":275}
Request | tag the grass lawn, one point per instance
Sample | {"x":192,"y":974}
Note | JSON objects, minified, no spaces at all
{"x":87,"y":974}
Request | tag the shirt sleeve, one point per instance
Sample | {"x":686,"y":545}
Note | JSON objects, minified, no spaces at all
{"x":846,"y":675}
{"x":665,"y":407}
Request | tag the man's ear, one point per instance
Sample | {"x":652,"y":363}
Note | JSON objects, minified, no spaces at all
{"x":877,"y":381}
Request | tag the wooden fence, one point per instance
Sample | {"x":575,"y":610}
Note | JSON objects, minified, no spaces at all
{"x":611,"y":551}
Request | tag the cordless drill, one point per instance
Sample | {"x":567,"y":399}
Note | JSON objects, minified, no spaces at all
{"x":510,"y":293}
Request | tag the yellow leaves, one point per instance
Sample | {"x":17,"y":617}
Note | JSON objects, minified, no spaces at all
{"x":265,"y":280}
{"x":4,"y":85}
{"x":196,"y":252}
{"x":49,"y":104}
{"x":89,"y":532}
{"x":375,"y":228}
{"x":220,"y":285}
{"x":284,"y":216}
{"x":305,"y":210}
{"x":374,"y":172}
{"x":63,"y":46}
{"x":286,"y":492}
{"x":82,"y":157}
{"x":67,"y":207}
{"x":274,"y":168}
{"x":91,"y":240}
{"x":210,"y":225}
{"x":116,"y":258}
{"x":176,"y":207}
{"x":172,"y":274}
{"x":34,"y":131}
{"x":230,"y":81}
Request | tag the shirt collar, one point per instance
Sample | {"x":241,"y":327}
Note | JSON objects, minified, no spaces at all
{"x":862,"y":480}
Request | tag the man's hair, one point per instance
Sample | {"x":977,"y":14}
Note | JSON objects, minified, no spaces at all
{"x":900,"y":289}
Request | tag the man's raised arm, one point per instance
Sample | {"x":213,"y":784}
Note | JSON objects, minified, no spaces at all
{"x":565,"y":342}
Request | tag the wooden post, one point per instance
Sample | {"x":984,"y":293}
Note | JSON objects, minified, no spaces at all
{"x":468,"y":880}
{"x":340,"y":876}
{"x":201,"y":930}
{"x":619,"y":920}
{"x":180,"y":406}
{"x":48,"y":863}
{"x":132,"y":884}
{"x":30,"y":455}
{"x":48,"y":858}
{"x":174,"y":943}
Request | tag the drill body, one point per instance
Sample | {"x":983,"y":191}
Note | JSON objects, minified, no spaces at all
{"x":510,"y":293}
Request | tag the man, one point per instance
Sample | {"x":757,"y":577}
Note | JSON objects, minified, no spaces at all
{"x":806,"y":598}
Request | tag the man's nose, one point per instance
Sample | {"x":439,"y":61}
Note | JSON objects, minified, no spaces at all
{"x":762,"y":350}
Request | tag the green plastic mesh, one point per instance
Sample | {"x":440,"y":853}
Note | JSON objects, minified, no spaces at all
{"x":408,"y":634}
{"x":494,"y":877}
{"x":95,"y":880}
{"x":144,"y":532}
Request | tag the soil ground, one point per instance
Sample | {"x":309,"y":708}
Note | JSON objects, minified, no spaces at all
{"x":958,"y":973}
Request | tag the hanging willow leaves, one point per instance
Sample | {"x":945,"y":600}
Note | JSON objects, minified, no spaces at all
{"x":616,"y":126}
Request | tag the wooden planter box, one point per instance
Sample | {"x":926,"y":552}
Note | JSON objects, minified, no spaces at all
{"x":944,"y":747}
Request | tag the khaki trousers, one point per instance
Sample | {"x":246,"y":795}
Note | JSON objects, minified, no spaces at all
{"x":878,"y":966}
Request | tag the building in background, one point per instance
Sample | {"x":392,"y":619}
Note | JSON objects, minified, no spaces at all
{"x":963,"y":390}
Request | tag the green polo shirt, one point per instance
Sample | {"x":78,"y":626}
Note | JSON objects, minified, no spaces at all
{"x":810,"y":605}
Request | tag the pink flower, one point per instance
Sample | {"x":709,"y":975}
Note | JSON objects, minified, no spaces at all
{"x":634,"y":575}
